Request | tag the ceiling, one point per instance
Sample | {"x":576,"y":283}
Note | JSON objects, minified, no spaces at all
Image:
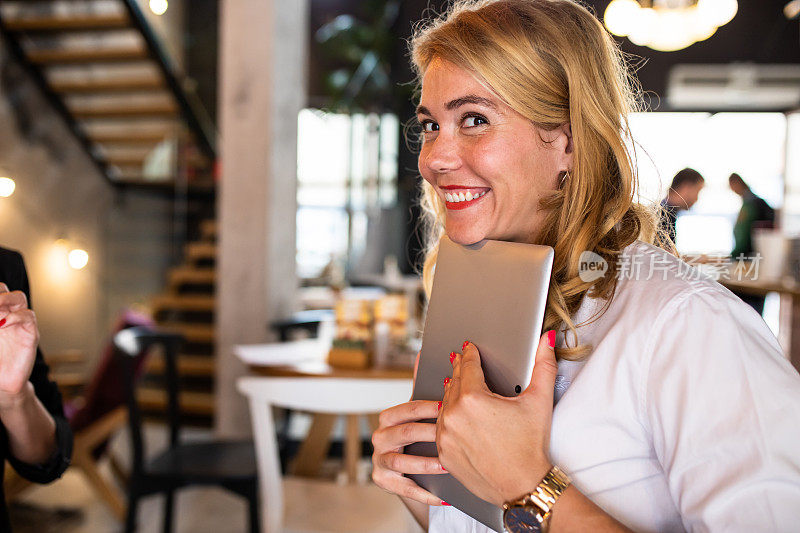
{"x":759,"y":33}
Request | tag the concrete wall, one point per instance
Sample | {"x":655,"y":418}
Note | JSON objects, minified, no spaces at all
{"x":262,"y":89}
{"x":61,"y":195}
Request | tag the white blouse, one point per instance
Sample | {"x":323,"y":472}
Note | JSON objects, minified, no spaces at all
{"x":686,"y":416}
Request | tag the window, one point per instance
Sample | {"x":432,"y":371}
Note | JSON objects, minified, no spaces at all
{"x":346,"y":167}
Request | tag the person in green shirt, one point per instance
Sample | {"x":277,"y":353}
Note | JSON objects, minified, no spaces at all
{"x":754,"y":213}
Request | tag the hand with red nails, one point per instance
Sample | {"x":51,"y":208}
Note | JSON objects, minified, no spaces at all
{"x":473,"y":421}
{"x":398,"y":427}
{"x":19,"y":336}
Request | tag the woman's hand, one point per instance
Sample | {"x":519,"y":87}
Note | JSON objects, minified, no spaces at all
{"x":19,"y":336}
{"x":398,"y":426}
{"x":497,"y":447}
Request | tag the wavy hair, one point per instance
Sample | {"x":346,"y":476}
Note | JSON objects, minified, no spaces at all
{"x":553,"y":62}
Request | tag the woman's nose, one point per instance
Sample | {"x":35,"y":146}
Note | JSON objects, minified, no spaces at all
{"x":442,"y":155}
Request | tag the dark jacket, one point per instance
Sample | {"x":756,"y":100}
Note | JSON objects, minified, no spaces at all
{"x":13,"y":274}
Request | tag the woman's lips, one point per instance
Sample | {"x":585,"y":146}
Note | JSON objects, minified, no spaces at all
{"x":458,"y":197}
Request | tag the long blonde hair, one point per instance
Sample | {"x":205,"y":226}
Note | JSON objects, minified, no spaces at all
{"x":553,"y":62}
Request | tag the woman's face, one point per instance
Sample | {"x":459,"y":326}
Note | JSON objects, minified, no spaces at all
{"x":477,"y":146}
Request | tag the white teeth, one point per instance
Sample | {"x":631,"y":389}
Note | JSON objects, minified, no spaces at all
{"x":461,"y":197}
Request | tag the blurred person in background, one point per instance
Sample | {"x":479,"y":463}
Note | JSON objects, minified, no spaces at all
{"x":682,"y":195}
{"x":755,"y":213}
{"x":35,"y":437}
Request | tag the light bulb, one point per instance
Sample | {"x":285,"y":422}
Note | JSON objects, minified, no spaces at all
{"x":717,"y":12}
{"x":78,"y":258}
{"x":672,"y":32}
{"x":7,"y":187}
{"x":621,"y":16}
{"x":646,"y":23}
{"x":159,"y":7}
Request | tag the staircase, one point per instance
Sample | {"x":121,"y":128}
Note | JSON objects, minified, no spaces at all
{"x":187,"y":307}
{"x":104,"y":70}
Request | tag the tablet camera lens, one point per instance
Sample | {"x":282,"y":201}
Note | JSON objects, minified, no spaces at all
{"x":517,"y":389}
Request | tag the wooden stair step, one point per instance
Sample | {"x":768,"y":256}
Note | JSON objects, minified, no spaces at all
{"x":196,"y":403}
{"x":184,"y":302}
{"x":188,"y":365}
{"x":78,"y":22}
{"x":157,"y":109}
{"x":192,"y":276}
{"x":69,"y":379}
{"x":195,"y":251}
{"x":126,"y":159}
{"x":208,"y":229}
{"x":86,"y":55}
{"x":108,"y":85}
{"x":192,"y":332}
{"x":131,"y":137}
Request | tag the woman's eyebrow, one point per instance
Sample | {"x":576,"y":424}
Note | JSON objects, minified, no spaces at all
{"x":458,"y":102}
{"x":469,"y":99}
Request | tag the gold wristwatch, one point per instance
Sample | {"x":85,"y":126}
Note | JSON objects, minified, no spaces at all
{"x":531,"y":512}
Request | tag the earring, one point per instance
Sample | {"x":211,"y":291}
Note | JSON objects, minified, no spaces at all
{"x":564,"y":175}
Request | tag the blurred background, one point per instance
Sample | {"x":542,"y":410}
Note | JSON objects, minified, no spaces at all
{"x":241,"y":173}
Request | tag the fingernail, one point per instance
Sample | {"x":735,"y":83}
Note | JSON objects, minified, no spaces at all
{"x":445,"y":503}
{"x":443,"y":468}
{"x":452,"y":356}
{"x":551,"y":338}
{"x":446,"y":381}
{"x":464,"y":346}
{"x":439,"y":406}
{"x":2,"y":322}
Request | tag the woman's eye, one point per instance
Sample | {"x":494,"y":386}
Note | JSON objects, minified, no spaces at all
{"x":474,"y":120}
{"x":429,"y":126}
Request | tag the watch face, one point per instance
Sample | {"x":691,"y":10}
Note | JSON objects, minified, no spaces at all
{"x":520,"y":519}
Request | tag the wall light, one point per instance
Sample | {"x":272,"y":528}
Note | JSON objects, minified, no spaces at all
{"x":78,"y":258}
{"x":159,"y":7}
{"x":792,"y":9}
{"x":7,"y":187}
{"x":64,"y":255}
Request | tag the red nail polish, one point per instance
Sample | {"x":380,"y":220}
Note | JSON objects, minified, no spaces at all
{"x":452,"y":357}
{"x":446,"y":381}
{"x":551,"y":338}
{"x":464,"y":346}
{"x":439,"y":406}
{"x":2,"y":322}
{"x":443,"y":468}
{"x":445,"y":503}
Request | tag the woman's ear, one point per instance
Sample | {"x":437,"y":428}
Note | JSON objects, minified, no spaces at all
{"x":566,"y":128}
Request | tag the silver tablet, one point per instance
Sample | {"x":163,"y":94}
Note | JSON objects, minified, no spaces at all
{"x":493,"y":294}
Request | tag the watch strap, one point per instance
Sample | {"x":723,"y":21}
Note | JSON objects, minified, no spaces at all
{"x":544,"y":496}
{"x":549,"y":489}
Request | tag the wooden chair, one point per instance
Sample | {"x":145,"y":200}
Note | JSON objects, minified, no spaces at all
{"x":228,"y":464}
{"x":350,"y":508}
{"x":101,"y":413}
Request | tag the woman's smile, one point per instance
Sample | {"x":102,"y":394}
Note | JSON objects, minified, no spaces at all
{"x":461,"y":197}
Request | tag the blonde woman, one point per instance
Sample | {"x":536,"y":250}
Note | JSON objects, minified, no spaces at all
{"x":659,"y":401}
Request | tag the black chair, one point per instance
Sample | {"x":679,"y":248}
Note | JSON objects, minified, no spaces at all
{"x":229,"y":464}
